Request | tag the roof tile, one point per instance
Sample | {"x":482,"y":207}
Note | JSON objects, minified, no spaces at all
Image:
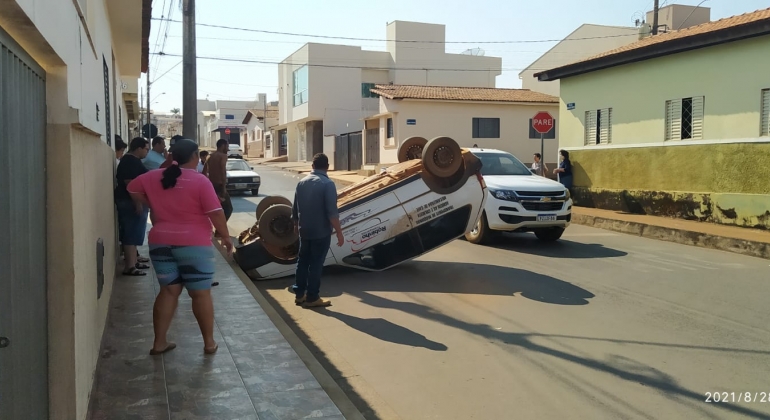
{"x":450,"y":93}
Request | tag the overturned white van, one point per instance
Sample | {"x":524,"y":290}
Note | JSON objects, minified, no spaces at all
{"x":434,"y":195}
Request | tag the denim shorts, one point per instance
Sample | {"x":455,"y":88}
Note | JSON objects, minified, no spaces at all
{"x":132,"y":226}
{"x":191,"y":266}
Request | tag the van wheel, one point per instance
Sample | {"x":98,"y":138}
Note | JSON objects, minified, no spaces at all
{"x":442,"y":157}
{"x":549,"y":234}
{"x":276,"y":226}
{"x":411,"y":148}
{"x":481,"y":234}
{"x":269,"y":201}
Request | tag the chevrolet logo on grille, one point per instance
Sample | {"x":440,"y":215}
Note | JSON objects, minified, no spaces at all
{"x":545,"y":198}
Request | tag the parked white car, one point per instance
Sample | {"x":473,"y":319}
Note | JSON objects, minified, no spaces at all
{"x":519,"y":201}
{"x":234,"y":151}
{"x":412,"y":208}
{"x":241,"y":177}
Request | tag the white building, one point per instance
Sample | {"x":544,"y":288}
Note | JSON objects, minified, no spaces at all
{"x":325,"y":89}
{"x":589,"y":40}
{"x":255,"y":137}
{"x":217,"y":118}
{"x":69,"y":76}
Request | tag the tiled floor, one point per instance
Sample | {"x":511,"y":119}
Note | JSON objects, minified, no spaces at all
{"x":254,"y":375}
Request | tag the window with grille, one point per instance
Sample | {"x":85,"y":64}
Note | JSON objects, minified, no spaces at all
{"x":598,"y":126}
{"x":390,"y":127}
{"x":486,"y":128}
{"x":765,"y":113}
{"x":684,"y":118}
{"x":300,"y":86}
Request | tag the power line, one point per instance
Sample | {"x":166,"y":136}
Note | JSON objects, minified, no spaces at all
{"x":240,"y":60}
{"x":396,"y":40}
{"x":172,"y":68}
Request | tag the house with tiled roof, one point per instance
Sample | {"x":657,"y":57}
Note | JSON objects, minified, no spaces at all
{"x":487,"y":117}
{"x":675,"y":124}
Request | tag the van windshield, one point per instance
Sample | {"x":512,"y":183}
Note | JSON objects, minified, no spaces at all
{"x":501,"y":164}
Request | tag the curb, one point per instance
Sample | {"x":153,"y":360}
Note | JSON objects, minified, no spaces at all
{"x":680,"y":236}
{"x":328,"y":384}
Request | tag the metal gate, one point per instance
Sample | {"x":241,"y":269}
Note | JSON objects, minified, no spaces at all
{"x":282,"y":143}
{"x":23,"y":286}
{"x":373,"y":146}
{"x":348,"y":154}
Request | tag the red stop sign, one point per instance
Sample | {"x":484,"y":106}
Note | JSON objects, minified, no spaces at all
{"x":542,"y":122}
{"x":227,"y":131}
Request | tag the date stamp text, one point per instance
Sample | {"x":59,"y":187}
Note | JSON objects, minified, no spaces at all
{"x":737,"y":397}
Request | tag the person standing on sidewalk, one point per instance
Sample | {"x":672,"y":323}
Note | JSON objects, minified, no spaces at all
{"x":157,"y":155}
{"x":132,"y":217}
{"x":184,"y":206}
{"x":216,"y":169}
{"x":564,"y":171}
{"x":314,"y":214}
{"x":539,"y":167}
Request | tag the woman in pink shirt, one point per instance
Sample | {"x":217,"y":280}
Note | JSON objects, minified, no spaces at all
{"x":184,"y":206}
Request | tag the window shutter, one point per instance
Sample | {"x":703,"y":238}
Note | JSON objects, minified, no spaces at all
{"x":590,"y":128}
{"x":605,"y":133}
{"x":674,"y":120}
{"x":765,"y":116}
{"x":697,"y":117}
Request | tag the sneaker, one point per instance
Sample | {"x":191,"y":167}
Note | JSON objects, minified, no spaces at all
{"x":299,"y":300}
{"x":317,"y":303}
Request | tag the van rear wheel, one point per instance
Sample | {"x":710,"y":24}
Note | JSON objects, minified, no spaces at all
{"x":276,"y":226}
{"x":269,"y":201}
{"x":411,"y":148}
{"x":442,"y":157}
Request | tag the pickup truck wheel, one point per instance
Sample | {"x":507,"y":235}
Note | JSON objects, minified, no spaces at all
{"x":411,"y":148}
{"x":442,"y":157}
{"x":269,"y":201}
{"x":481,"y":234}
{"x":255,"y":192}
{"x":276,"y":226}
{"x":549,"y":234}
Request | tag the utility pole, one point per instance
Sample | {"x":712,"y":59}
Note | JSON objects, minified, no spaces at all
{"x":189,"y":78}
{"x":655,"y":18}
{"x":141,"y":115}
{"x":264,"y":127}
{"x":149,"y":120}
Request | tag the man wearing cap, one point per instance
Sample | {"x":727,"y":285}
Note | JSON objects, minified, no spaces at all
{"x":314,"y":214}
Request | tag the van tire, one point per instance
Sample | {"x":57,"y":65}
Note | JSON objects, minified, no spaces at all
{"x":549,"y":234}
{"x":269,"y":201}
{"x":481,"y":234}
{"x":411,"y":148}
{"x":442,"y":157}
{"x":276,"y":226}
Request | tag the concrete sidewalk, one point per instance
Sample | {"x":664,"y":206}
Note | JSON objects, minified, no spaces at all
{"x":745,"y":241}
{"x":256,"y":374}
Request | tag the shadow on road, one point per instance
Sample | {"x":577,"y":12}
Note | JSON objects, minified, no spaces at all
{"x":529,"y":244}
{"x":448,"y":277}
{"x":618,"y":366}
{"x":385,"y":330}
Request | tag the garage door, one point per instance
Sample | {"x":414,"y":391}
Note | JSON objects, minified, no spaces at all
{"x":23,"y":315}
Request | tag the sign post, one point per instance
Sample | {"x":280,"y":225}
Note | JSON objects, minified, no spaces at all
{"x":542,"y":122}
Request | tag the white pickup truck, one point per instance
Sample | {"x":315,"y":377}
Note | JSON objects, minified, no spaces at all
{"x":434,"y":195}
{"x":519,"y":201}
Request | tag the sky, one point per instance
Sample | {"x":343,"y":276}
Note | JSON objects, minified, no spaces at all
{"x":471,"y":24}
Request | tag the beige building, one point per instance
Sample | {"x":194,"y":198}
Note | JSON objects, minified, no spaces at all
{"x":676,"y":124}
{"x":69,"y":80}
{"x":326,"y":89}
{"x":486,"y":117}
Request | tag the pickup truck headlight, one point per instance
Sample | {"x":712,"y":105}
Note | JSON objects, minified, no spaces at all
{"x":504,"y":195}
{"x":567,"y":195}
{"x":255,"y":179}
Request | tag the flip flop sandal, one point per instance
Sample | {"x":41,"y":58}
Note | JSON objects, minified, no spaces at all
{"x":142,"y":259}
{"x":141,"y":266}
{"x":211,"y":351}
{"x":216,"y":283}
{"x":169,"y":347}
{"x":134,"y":272}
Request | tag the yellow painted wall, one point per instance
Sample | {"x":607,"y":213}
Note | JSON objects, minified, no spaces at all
{"x":719,"y":168}
{"x":730,"y":76}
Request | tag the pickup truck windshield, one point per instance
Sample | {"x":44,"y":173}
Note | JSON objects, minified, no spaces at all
{"x":501,"y":164}
{"x":237,"y":165}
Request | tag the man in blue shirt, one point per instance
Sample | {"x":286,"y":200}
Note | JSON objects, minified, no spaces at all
{"x":157,"y":155}
{"x":314,"y":214}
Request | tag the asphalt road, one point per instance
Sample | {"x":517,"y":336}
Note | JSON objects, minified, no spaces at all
{"x":598,"y":326}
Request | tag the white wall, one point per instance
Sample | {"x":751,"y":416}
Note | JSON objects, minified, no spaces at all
{"x":79,"y":171}
{"x":455,"y":120}
{"x":586,"y":41}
